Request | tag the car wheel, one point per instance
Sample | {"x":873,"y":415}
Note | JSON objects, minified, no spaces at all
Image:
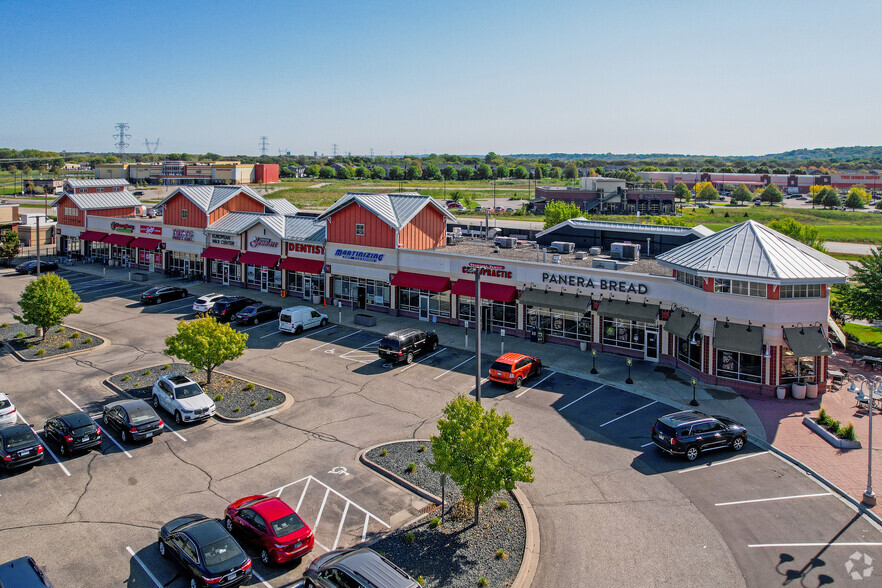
{"x":125,"y":436}
{"x":539,"y":369}
{"x":692,"y":453}
{"x":229,"y":524}
{"x":738,"y":443}
{"x":184,"y":294}
{"x":193,"y":583}
{"x":178,"y":419}
{"x":518,"y":382}
{"x":106,"y":419}
{"x":298,"y":330}
{"x":256,"y":321}
{"x":159,"y":301}
{"x":264,"y":556}
{"x":324,"y":322}
{"x":62,"y":449}
{"x":162,"y":548}
{"x":155,"y":402}
{"x":409,"y":358}
{"x":434,"y":345}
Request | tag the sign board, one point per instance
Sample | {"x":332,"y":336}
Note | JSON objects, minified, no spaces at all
{"x":151,"y":229}
{"x":183,"y":234}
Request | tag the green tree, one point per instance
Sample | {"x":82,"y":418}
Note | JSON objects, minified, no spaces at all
{"x":473,"y":447}
{"x":378,"y":173}
{"x":779,"y":171}
{"x":807,"y":234}
{"x":448,"y":173}
{"x":431,"y":172}
{"x":554,"y":173}
{"x":206,"y":344}
{"x":47,"y":301}
{"x":395,"y":173}
{"x":682,"y":192}
{"x":541,"y":171}
{"x":464,"y":174}
{"x":327,"y":172}
{"x":708,"y":193}
{"x":854,"y":200}
{"x":831,"y":199}
{"x":344,"y":173}
{"x":362,"y":172}
{"x":484,"y":172}
{"x":571,"y":171}
{"x":520,"y":172}
{"x":501,"y":171}
{"x":414,"y":171}
{"x":659,"y":185}
{"x":557,"y":212}
{"x":861,"y":195}
{"x":741,"y":194}
{"x":10,"y":245}
{"x":772,"y":195}
{"x":862,"y":295}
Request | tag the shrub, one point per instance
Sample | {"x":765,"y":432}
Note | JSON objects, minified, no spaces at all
{"x":31,"y":345}
{"x":823,"y":417}
{"x":228,"y":381}
{"x":409,"y":537}
{"x":193,"y":370}
{"x":137,"y":383}
{"x":253,"y":403}
{"x":4,"y":325}
{"x":249,"y":386}
{"x":421,"y":581}
{"x":237,"y":409}
{"x":269,"y":396}
{"x":60,"y":330}
{"x":727,"y":214}
{"x":20,"y":335}
{"x":126,"y":378}
{"x":422,"y":448}
{"x":66,"y":345}
{"x":501,"y":554}
{"x":434,"y":522}
{"x":833,"y":425}
{"x":411,"y":468}
{"x":482,"y":581}
{"x":847,"y":432}
{"x":74,"y":335}
{"x":87,"y":340}
{"x":502,"y":505}
{"x":41,"y":351}
{"x":166,"y":366}
{"x":218,"y":397}
{"x":146,"y":372}
{"x":383,"y":452}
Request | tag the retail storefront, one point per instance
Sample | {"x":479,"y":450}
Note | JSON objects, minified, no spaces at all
{"x":304,"y":267}
{"x":183,"y":252}
{"x":361,"y":277}
{"x":261,"y":259}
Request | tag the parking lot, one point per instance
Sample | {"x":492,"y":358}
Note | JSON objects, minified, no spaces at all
{"x":601,"y":488}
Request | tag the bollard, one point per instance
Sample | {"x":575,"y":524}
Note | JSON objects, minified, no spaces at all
{"x":502,"y":342}
{"x":104,"y":271}
{"x":130,"y":276}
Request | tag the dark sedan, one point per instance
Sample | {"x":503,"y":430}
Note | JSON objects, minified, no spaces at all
{"x":259,"y":313}
{"x":73,"y":432}
{"x":19,"y":447}
{"x":161,"y":294}
{"x":205,"y":550}
{"x":30,"y":267}
{"x":135,"y":419}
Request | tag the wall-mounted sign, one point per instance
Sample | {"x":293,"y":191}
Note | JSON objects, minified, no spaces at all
{"x":151,"y":230}
{"x":262,"y":242}
{"x":603,"y":284}
{"x":491,"y":271}
{"x":183,"y":234}
{"x":306,"y":248}
{"x":366,"y":256}
{"x":227,"y":240}
{"x":122,"y":227}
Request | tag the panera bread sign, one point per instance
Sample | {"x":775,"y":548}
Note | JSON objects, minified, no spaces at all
{"x":574,"y":281}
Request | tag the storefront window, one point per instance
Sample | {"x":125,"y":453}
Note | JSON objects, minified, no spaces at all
{"x":688,"y":353}
{"x":216,"y":269}
{"x":439,"y":302}
{"x":375,"y":292}
{"x":99,"y":250}
{"x":123,"y":253}
{"x":184,"y":263}
{"x":300,"y":283}
{"x":739,"y":366}
{"x":502,"y":314}
{"x":254,"y":276}
{"x":560,"y":323}
{"x":796,"y":369}
{"x":625,"y":334}
{"x":70,"y":245}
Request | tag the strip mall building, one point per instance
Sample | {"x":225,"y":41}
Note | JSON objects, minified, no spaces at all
{"x":745,"y":307}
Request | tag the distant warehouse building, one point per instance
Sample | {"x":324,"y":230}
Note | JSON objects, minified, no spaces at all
{"x":792,"y":183}
{"x":651,"y":239}
{"x":188,"y":172}
{"x":606,"y":196}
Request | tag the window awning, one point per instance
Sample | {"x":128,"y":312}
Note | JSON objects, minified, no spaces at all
{"x":736,"y":337}
{"x":261,"y":259}
{"x":421,"y":282}
{"x":146,"y":243}
{"x":92,"y":236}
{"x":555,"y":300}
{"x":307,"y":266}
{"x":220,"y":253}
{"x":835,"y":330}
{"x":628,"y":310}
{"x":489,"y":290}
{"x":807,"y":341}
{"x":681,"y":323}
{"x":115,"y":239}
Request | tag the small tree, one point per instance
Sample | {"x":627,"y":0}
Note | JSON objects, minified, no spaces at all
{"x":431,"y":172}
{"x":862,"y":296}
{"x":378,"y":173}
{"x":362,"y":172}
{"x":327,"y":172}
{"x":807,"y":234}
{"x":414,"y":171}
{"x":473,"y":447}
{"x":464,"y":174}
{"x":448,"y":173}
{"x":682,"y":192}
{"x":741,"y":194}
{"x":484,"y":172}
{"x":708,"y":193}
{"x":659,"y":185}
{"x":571,"y":171}
{"x":501,"y":171}
{"x":312,"y":171}
{"x":47,"y":301}
{"x":772,"y":195}
{"x":396,"y":173}
{"x":206,"y":344}
{"x":557,"y":212}
{"x":10,"y":245}
{"x":854,"y":201}
{"x":831,"y":199}
{"x":520,"y":172}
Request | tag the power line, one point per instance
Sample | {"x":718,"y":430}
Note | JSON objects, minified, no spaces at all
{"x":264,"y":145}
{"x":121,"y":136}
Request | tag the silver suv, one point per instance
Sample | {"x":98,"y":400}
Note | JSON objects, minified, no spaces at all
{"x":183,"y":398}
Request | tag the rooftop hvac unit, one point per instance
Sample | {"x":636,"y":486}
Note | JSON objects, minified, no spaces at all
{"x":451,"y":240}
{"x":555,"y":258}
{"x":563,"y":246}
{"x":605,"y":264}
{"x":506,"y":242}
{"x":630,"y":252}
{"x":580,"y":255}
{"x":151,"y":212}
{"x":594,"y":251}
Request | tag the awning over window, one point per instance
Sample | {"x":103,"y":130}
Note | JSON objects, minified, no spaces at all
{"x":307,"y":266}
{"x":421,"y":282}
{"x":738,"y":337}
{"x":220,"y":253}
{"x":681,"y":323}
{"x":490,"y":291}
{"x":555,"y":300}
{"x":261,"y":259}
{"x":834,"y":329}
{"x":92,"y":236}
{"x":115,"y":239}
{"x":807,"y":341}
{"x":628,"y":310}
{"x":146,"y":243}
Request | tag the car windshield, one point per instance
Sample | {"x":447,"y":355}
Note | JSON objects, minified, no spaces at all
{"x":141,"y":414}
{"x":18,"y":438}
{"x":151,"y":291}
{"x":287,"y":525}
{"x":249,"y":310}
{"x":501,"y":367}
{"x":84,"y":430}
{"x":4,"y":404}
{"x":390,"y":343}
{"x":188,"y":390}
{"x":218,"y":553}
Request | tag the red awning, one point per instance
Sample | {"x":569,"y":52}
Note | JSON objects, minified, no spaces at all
{"x":220,"y":253}
{"x":115,"y":239}
{"x":307,"y":266}
{"x":146,"y":243}
{"x":421,"y":282}
{"x":92,"y":236}
{"x":261,"y":259}
{"x":498,"y":292}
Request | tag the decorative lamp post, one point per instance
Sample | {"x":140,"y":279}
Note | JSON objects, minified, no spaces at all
{"x":875,"y":387}
{"x":594,"y":362}
{"x":693,"y":402}
{"x":629,"y":380}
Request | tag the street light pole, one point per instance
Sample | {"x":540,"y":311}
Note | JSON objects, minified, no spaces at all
{"x":875,"y":386}
{"x":478,"y":335}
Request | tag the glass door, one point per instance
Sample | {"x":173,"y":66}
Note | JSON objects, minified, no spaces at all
{"x":651,"y":350}
{"x":225,"y":272}
{"x":264,"y":280}
{"x":307,"y":288}
{"x":424,"y":307}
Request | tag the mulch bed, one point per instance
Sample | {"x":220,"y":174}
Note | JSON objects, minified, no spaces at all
{"x":57,"y":338}
{"x":236,"y":395}
{"x":455,"y":553}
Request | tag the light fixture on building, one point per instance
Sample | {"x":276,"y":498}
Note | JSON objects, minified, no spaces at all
{"x":694,"y":340}
{"x":749,"y":327}
{"x":767,"y":354}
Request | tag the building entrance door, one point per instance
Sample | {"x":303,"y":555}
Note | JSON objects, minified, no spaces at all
{"x":362,"y":295}
{"x":264,"y":280}
{"x":486,"y":314}
{"x":651,"y":350}
{"x":424,"y":307}
{"x":225,"y":274}
{"x":307,"y":289}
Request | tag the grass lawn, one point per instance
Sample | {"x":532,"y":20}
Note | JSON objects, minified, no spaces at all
{"x":864,"y":333}
{"x":852,"y":257}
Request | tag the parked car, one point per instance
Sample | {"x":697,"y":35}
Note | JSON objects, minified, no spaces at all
{"x":135,"y":419}
{"x":272,"y":525}
{"x":259,"y":313}
{"x":138,"y":192}
{"x":30,"y":267}
{"x":161,"y":294}
{"x":8,"y":416}
{"x":205,"y":550}
{"x":204,"y":303}
{"x":513,"y":368}
{"x":19,"y":447}
{"x":703,"y":205}
{"x":455,"y":206}
{"x":297,"y":319}
{"x":499,"y":209}
{"x":227,"y":307}
{"x":23,"y":573}
{"x":182,"y":397}
{"x":689,"y":433}
{"x":403,"y":345}
{"x":73,"y":432}
{"x":355,"y":567}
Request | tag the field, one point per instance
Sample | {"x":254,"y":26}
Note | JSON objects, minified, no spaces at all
{"x":864,"y":333}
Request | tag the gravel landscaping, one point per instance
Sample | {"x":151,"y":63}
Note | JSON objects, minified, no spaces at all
{"x":453,"y":554}
{"x":239,"y":398}
{"x":60,"y":340}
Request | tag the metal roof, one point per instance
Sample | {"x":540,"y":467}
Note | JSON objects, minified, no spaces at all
{"x":304,"y":228}
{"x":209,"y":198}
{"x":97,"y":183}
{"x":584,"y":224}
{"x":101,"y":200}
{"x":235,"y":223}
{"x":396,"y":209}
{"x":752,"y":250}
{"x":282,"y":206}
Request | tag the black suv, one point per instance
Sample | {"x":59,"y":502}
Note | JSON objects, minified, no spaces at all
{"x":19,"y":447}
{"x":226,"y":308}
{"x":403,"y":345}
{"x":690,"y":432}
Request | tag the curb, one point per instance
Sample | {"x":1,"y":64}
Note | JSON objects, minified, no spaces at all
{"x":395,"y":477}
{"x":104,"y":343}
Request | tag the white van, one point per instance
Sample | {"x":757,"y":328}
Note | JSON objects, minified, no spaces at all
{"x":299,"y":318}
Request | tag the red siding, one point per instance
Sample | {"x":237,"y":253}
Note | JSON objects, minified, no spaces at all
{"x":195,"y":217}
{"x":708,"y":284}
{"x":341,"y":228}
{"x":266,"y":173}
{"x":116,"y":212}
{"x":238,"y":203}
{"x":63,"y":219}
{"x":773,"y":291}
{"x":427,"y":230}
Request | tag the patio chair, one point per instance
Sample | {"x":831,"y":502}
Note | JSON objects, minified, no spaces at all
{"x":861,"y":399}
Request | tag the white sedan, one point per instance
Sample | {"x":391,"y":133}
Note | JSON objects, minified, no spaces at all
{"x":7,"y":411}
{"x":204,"y":303}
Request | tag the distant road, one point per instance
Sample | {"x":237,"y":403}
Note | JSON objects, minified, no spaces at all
{"x":853,"y":248}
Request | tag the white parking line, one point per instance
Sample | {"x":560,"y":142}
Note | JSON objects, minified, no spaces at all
{"x":108,"y":436}
{"x":581,"y":397}
{"x":420,"y":361}
{"x":252,"y":327}
{"x":165,"y":424}
{"x":188,"y":305}
{"x":335,"y":340}
{"x":300,"y":336}
{"x":773,"y":499}
{"x":454,"y":367}
{"x":525,"y":390}
{"x":716,"y":463}
{"x":321,"y":509}
{"x":105,"y":287}
{"x":836,"y":544}
{"x":261,"y":580}
{"x":44,"y":445}
{"x":340,"y":526}
{"x":646,"y":444}
{"x":143,"y":567}
{"x":629,"y":413}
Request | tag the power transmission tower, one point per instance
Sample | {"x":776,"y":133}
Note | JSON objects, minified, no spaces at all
{"x":334,"y":150}
{"x":151,"y":146}
{"x":372,"y":152}
{"x":121,"y":136}
{"x":264,"y":145}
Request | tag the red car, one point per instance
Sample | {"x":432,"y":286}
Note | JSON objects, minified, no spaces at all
{"x":513,"y":368}
{"x":272,"y":525}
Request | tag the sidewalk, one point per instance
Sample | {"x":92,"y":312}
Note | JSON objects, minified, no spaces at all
{"x":769,"y":420}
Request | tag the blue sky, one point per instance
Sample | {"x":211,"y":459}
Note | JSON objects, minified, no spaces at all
{"x":678,"y":76}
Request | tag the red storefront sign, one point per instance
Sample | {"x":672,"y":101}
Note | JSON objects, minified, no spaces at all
{"x":151,"y":230}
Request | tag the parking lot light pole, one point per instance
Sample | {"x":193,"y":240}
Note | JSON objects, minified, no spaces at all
{"x":478,"y":335}
{"x":875,"y":387}
{"x":629,"y":380}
